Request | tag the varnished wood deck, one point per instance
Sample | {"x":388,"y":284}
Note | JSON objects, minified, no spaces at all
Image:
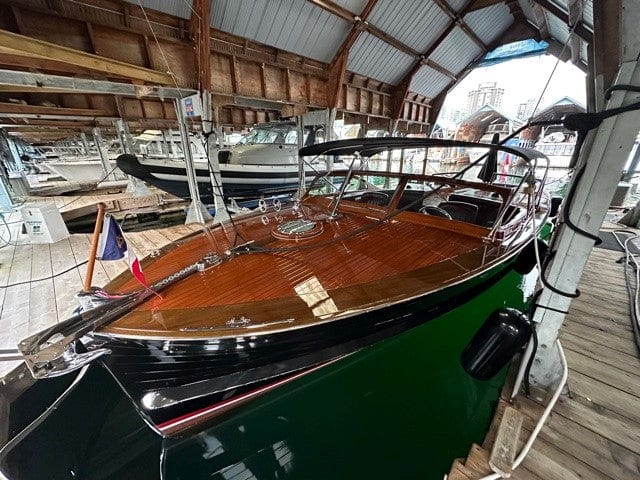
{"x":594,"y":431}
{"x":33,"y":305}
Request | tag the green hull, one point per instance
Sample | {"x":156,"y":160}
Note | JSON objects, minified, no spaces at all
{"x":403,"y":408}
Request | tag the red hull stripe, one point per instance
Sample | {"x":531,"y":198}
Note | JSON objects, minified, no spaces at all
{"x":189,"y":419}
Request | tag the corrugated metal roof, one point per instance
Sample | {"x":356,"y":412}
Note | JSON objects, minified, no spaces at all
{"x":587,"y":10}
{"x":457,"y":5}
{"x":293,"y":25}
{"x":355,"y":6}
{"x":429,"y":82}
{"x":374,"y":58}
{"x":300,"y":27}
{"x":587,"y":13}
{"x":490,"y":23}
{"x":177,"y":8}
{"x":557,"y":28}
{"x":456,"y":51}
{"x":584,"y":52}
{"x":415,"y":23}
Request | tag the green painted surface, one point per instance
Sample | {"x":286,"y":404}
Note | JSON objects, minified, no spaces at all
{"x":403,"y":408}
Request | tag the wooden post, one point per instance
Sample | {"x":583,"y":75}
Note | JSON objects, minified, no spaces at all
{"x":94,"y":248}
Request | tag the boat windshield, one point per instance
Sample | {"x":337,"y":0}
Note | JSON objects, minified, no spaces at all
{"x":273,"y":134}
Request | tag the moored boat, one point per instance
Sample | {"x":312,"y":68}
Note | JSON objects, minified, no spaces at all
{"x":292,"y":294}
{"x":264,"y":162}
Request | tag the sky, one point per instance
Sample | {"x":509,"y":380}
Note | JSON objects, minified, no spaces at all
{"x":523,"y":79}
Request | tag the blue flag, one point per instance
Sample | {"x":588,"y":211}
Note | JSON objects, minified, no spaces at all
{"x":113,"y":246}
{"x":112,"y":243}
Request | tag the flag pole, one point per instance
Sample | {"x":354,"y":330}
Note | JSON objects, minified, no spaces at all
{"x":94,"y":248}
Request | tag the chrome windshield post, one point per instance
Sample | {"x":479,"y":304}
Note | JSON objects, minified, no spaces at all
{"x":345,"y":184}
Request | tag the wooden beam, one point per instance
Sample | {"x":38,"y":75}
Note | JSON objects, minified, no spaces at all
{"x":606,"y":25}
{"x":338,"y":65}
{"x":41,"y":49}
{"x":336,"y":79}
{"x":458,"y":19}
{"x":334,"y":8}
{"x":480,"y":4}
{"x":355,"y":32}
{"x":236,"y":82}
{"x":9,"y":59}
{"x":18,"y":109}
{"x":287,"y":84}
{"x":200,"y":28}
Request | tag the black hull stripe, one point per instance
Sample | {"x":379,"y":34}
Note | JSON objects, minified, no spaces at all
{"x":155,"y":370}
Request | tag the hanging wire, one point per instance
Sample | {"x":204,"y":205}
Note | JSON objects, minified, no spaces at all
{"x":164,"y":57}
{"x":564,"y":48}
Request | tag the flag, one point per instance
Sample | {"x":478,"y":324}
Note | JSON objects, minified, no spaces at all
{"x":113,"y":246}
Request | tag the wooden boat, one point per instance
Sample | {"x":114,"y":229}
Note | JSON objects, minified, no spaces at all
{"x":264,"y":162}
{"x":250,"y":305}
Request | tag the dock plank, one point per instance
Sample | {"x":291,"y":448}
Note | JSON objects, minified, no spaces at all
{"x":622,"y":361}
{"x":15,"y":307}
{"x":594,"y":432}
{"x":606,"y":456}
{"x":41,"y":294}
{"x":550,"y":462}
{"x":615,"y":378}
{"x":67,"y":284}
{"x":621,"y":344}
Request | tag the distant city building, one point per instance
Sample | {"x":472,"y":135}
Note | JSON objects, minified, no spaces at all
{"x":525,"y":110}
{"x":453,"y":114}
{"x":487,"y":93}
{"x":457,"y":115}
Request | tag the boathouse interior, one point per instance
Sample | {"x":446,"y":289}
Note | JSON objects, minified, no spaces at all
{"x":84,"y":72}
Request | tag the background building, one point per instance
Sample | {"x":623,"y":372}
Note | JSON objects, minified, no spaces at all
{"x":487,"y":93}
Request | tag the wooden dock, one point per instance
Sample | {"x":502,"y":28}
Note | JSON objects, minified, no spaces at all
{"x":593,"y":432}
{"x":30,"y":304}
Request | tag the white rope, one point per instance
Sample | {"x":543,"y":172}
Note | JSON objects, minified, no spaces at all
{"x":541,"y":421}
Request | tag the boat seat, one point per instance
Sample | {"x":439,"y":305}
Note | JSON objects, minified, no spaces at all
{"x":462,"y":211}
{"x":375,"y":198}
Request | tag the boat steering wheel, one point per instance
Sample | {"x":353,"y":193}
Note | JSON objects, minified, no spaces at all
{"x":435,"y":211}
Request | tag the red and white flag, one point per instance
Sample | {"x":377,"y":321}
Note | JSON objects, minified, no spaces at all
{"x":113,"y":246}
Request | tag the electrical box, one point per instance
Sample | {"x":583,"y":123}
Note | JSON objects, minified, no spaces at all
{"x":44,"y":223}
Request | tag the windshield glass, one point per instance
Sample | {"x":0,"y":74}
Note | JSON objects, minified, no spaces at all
{"x":275,"y":134}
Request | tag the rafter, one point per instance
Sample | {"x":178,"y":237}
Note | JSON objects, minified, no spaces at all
{"x":337,"y":72}
{"x":355,"y":32}
{"x":8,"y":109}
{"x":402,"y":89}
{"x":31,"y":47}
{"x":338,"y":66}
{"x":480,"y":4}
{"x":458,"y":19}
{"x":360,"y":25}
{"x":15,"y":81}
{"x":200,"y":27}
